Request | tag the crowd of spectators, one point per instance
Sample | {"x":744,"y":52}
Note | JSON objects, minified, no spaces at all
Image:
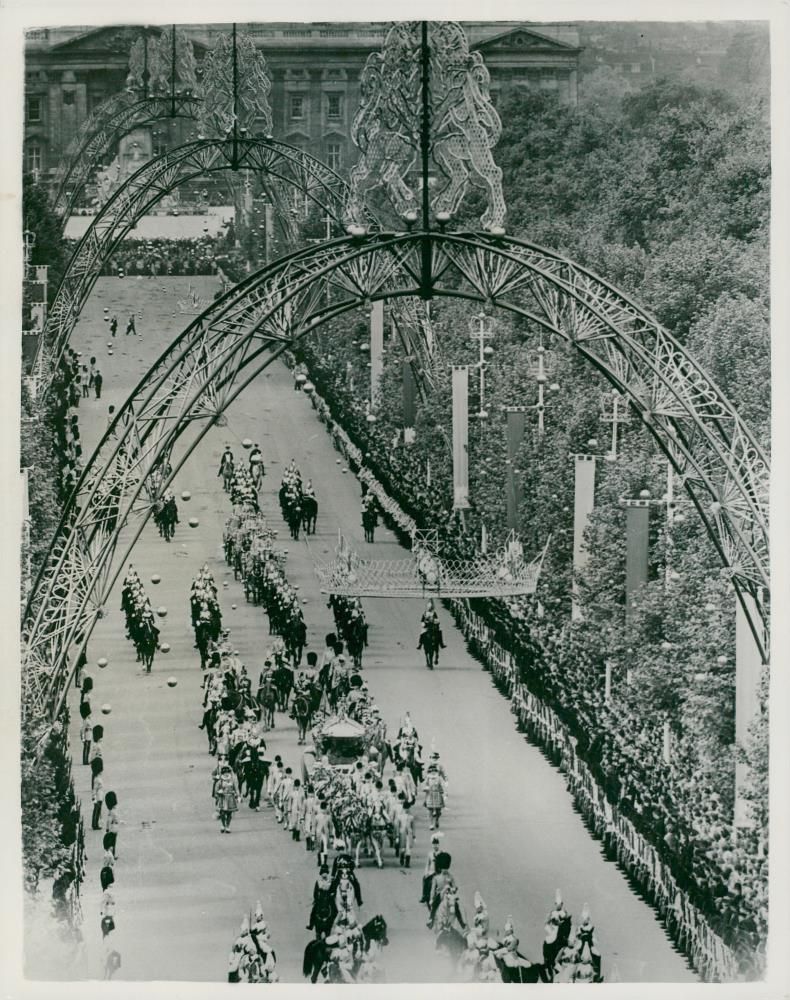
{"x":161,"y":257}
{"x":674,"y":808}
{"x":65,"y":395}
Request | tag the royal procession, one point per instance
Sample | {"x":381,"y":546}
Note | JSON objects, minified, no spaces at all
{"x":395,"y":577}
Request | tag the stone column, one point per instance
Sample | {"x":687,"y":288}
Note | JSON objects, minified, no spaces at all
{"x":573,"y":88}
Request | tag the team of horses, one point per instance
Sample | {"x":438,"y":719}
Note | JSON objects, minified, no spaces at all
{"x":299,"y":506}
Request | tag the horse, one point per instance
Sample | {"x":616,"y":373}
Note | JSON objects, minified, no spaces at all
{"x":376,"y":831}
{"x":355,"y":640}
{"x":255,"y":771}
{"x":369,"y":522}
{"x":451,"y":941}
{"x":309,"y":514}
{"x":375,"y":930}
{"x":316,"y":954}
{"x":267,"y":699}
{"x":295,"y":637}
{"x":302,"y":713}
{"x":283,"y":682}
{"x":407,"y":752}
{"x":315,"y":694}
{"x":429,"y":641}
{"x":209,"y":724}
{"x":534,"y":973}
{"x":294,"y":517}
{"x":551,"y":949}
{"x":202,"y":639}
{"x":147,"y":644}
{"x":228,"y":471}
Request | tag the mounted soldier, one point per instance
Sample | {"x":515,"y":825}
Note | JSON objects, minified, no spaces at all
{"x":431,"y":639}
{"x":226,"y":465}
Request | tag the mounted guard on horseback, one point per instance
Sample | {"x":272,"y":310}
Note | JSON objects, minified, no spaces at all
{"x":431,"y":639}
{"x":226,"y":468}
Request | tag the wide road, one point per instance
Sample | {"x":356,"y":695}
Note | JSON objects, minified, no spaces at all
{"x":181,"y":888}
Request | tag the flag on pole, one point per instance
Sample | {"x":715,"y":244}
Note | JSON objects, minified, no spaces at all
{"x":376,"y":348}
{"x":460,"y":437}
{"x":409,"y":393}
{"x":516,"y":424}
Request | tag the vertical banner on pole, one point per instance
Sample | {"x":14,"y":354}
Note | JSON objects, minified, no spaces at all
{"x":409,"y":393}
{"x":583,"y":503}
{"x":748,"y":666}
{"x":637,"y":521}
{"x":516,"y":423}
{"x":376,"y":348}
{"x":268,"y":217}
{"x":409,"y":400}
{"x":460,"y":437}
{"x":428,"y":329}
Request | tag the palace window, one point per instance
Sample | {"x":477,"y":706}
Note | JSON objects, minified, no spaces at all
{"x":334,"y":155}
{"x":334,"y":106}
{"x":34,"y":109}
{"x":33,"y":157}
{"x":68,"y":96}
{"x":297,"y":107}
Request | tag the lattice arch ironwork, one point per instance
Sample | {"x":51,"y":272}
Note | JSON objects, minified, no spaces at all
{"x":99,"y":134}
{"x":716,"y":457}
{"x":275,"y":161}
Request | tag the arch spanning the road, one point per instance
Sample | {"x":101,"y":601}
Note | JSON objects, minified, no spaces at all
{"x":719,"y":462}
{"x":281,"y":163}
{"x":112,"y":120}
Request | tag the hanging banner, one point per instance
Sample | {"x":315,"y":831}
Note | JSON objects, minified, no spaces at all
{"x":409,"y":393}
{"x":583,"y":503}
{"x":460,"y":437}
{"x":376,"y":349}
{"x":268,"y":215}
{"x":516,"y":424}
{"x":637,"y":520}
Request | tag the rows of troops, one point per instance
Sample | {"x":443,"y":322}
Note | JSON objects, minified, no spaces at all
{"x":342,"y":817}
{"x":250,"y":549}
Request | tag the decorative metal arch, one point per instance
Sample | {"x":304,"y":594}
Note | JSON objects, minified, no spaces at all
{"x":100,"y":132}
{"x":719,"y":462}
{"x":283,"y":163}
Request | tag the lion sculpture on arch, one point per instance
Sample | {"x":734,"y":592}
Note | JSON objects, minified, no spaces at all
{"x":464,"y":124}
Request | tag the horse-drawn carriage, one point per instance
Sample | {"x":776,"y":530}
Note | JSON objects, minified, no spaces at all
{"x":341,"y":740}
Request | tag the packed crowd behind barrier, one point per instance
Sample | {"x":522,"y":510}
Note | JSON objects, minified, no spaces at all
{"x":647,"y":866}
{"x":684,"y":807}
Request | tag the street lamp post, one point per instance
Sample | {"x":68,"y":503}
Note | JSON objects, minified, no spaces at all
{"x":481,"y":330}
{"x":29,"y":241}
{"x":541,"y":366}
{"x":614,"y":410}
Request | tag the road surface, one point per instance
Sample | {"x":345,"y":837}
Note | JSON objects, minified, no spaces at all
{"x":182,"y":889}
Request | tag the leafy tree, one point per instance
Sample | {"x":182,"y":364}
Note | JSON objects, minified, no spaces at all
{"x":38,"y":217}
